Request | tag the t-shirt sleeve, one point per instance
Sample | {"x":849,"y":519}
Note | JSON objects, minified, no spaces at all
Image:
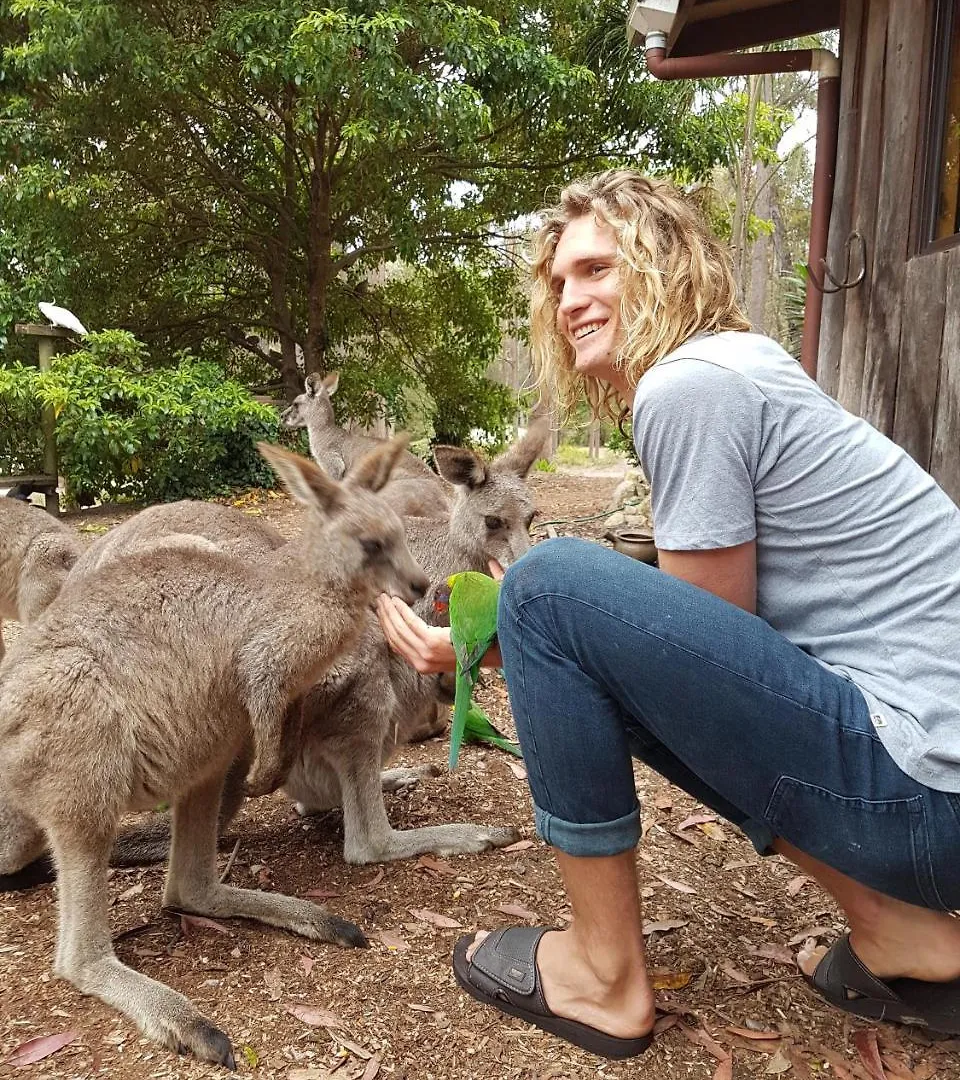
{"x":698,"y":430}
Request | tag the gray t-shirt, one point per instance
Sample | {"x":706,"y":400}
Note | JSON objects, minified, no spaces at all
{"x":858,"y":549}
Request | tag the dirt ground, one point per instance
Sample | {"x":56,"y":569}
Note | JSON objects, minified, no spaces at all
{"x":724,"y":930}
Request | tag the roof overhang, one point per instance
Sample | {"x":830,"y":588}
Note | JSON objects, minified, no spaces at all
{"x":697,"y":27}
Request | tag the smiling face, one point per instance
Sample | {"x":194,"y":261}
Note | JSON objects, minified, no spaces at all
{"x":585,"y":279}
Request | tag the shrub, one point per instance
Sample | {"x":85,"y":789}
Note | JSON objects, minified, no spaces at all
{"x":126,"y":432}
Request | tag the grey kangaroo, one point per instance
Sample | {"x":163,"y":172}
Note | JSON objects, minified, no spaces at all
{"x":148,"y":678}
{"x":36,"y":554}
{"x":352,"y":716}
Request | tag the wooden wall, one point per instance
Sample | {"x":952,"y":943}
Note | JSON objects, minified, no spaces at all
{"x":890,"y":347}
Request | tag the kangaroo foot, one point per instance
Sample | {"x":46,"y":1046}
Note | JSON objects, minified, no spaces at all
{"x":287,"y":912}
{"x":396,"y":779}
{"x":435,"y":839}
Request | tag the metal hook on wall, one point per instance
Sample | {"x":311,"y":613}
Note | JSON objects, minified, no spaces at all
{"x":849,"y":282}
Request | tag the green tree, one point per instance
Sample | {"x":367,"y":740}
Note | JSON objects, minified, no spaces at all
{"x":234,"y":173}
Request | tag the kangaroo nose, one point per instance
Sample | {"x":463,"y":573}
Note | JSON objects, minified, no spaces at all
{"x":419,"y":588}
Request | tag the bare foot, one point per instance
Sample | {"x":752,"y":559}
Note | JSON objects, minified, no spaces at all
{"x":902,"y":940}
{"x":621,"y":1006}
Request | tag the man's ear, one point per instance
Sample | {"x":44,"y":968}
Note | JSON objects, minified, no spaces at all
{"x":304,"y":479}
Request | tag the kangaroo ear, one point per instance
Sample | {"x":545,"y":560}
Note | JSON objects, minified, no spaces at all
{"x":304,"y":479}
{"x":520,"y":457}
{"x":460,"y":466}
{"x":331,"y":382}
{"x":374,"y":468}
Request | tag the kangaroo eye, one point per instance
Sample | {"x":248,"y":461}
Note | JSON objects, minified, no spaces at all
{"x":493,"y":523}
{"x":373,"y":549}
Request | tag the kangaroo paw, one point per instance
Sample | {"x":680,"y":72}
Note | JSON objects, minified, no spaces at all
{"x":204,"y":1041}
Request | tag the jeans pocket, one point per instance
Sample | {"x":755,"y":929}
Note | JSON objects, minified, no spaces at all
{"x":883,"y":843}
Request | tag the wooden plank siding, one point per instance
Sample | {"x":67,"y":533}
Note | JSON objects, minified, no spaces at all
{"x":890,"y":347}
{"x":863,"y":193}
{"x":945,"y":454}
{"x":898,"y":137}
{"x":845,"y":184}
{"x":923,"y":307}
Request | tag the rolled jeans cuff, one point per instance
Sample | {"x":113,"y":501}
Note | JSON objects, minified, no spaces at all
{"x":759,"y":834}
{"x":589,"y":839}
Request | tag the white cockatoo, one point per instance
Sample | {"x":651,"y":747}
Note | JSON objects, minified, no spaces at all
{"x":59,"y":316}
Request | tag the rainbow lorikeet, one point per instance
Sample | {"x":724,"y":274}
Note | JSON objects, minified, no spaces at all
{"x":472,"y":606}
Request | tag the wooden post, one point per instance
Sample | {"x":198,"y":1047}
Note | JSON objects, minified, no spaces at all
{"x":48,"y":341}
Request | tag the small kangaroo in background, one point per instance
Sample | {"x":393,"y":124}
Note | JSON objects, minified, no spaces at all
{"x":36,"y":554}
{"x":351,"y":717}
{"x":146,"y":679}
{"x":331,"y":445}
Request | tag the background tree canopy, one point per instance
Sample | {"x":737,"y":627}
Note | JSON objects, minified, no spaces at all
{"x":335,"y":182}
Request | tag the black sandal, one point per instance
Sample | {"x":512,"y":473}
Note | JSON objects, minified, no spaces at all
{"x":842,"y":979}
{"x":503,"y":973}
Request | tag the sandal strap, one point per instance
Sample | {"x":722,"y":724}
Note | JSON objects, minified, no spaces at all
{"x":841,"y":970}
{"x":508,"y":958}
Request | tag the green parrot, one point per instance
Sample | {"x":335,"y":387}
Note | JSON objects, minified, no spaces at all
{"x":473,"y":628}
{"x":479,"y":729}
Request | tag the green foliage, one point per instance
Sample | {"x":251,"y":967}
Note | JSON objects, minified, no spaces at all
{"x":127,"y":431}
{"x":622,"y":444}
{"x":568,"y":454}
{"x":310,"y":173}
{"x":544,"y":465}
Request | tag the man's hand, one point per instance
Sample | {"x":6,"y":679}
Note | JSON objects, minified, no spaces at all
{"x":426,"y":648}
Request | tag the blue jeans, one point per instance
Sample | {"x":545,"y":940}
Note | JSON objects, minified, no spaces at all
{"x":607,"y":659}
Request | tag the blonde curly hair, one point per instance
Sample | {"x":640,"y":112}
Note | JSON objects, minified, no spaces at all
{"x":676,"y":278}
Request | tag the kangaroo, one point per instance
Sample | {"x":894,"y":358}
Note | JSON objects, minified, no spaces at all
{"x":351,"y":717}
{"x":331,"y":445}
{"x":36,"y":554}
{"x":148,"y":678}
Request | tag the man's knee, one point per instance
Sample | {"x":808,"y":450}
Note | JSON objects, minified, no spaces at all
{"x":546,"y":567}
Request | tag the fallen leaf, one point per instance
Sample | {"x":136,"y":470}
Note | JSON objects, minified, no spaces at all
{"x":438,"y":866}
{"x":375,"y":880}
{"x":771,"y":951}
{"x":865,"y":1041}
{"x":664,"y":979}
{"x":809,"y":931}
{"x":355,"y":1048}
{"x":273,"y":981}
{"x":695,"y":819}
{"x":41,"y":1047}
{"x":520,"y":845}
{"x":749,"y":1033}
{"x":442,"y":921}
{"x":313,"y":1016}
{"x":373,"y":1067}
{"x":801,"y":1069}
{"x":713,"y":829}
{"x":678,"y":885}
{"x":700,"y":1038}
{"x":518,"y":912}
{"x":744,"y":891}
{"x":735,"y":973}
{"x":306,"y":962}
{"x":392,"y":940}
{"x":779,"y":1063}
{"x":250,"y":1055}
{"x":807,"y":959}
{"x":794,"y":885}
{"x":760,"y":920}
{"x":724,"y":1069}
{"x":312,"y":1072}
{"x":663,"y":802}
{"x":421,"y":1008}
{"x":323,"y":894}
{"x":736,"y":864}
{"x":518,"y":770}
{"x":661,"y":926}
{"x":686,"y":837}
{"x":189,"y":923}
{"x":896,"y":1067}
{"x":664,"y":1023}
{"x":134,"y":890}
